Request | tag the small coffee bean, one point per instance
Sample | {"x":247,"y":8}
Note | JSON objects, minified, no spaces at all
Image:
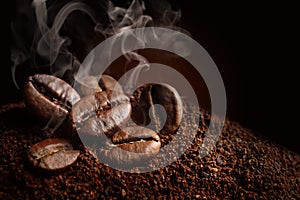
{"x":52,"y":154}
{"x":149,"y":94}
{"x":49,"y":98}
{"x":92,"y":84}
{"x":89,"y":85}
{"x":107,"y":82}
{"x":100,"y":114}
{"x":131,"y":145}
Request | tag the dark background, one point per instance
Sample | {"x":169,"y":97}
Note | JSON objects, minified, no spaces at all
{"x":255,"y":47}
{"x":256,"y":50}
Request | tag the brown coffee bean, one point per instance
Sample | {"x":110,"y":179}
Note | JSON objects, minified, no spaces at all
{"x":52,"y":154}
{"x":92,"y":84}
{"x":130,"y":146}
{"x":147,"y":95}
{"x":100,"y":114}
{"x":49,"y":98}
{"x":107,"y":82}
{"x":89,"y":85}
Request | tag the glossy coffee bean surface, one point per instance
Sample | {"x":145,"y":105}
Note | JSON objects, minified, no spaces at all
{"x":89,"y":85}
{"x":163,"y":94}
{"x":107,"y":82}
{"x":48,"y":98}
{"x":92,"y":84}
{"x":52,"y":154}
{"x":131,"y":145}
{"x":100,"y":114}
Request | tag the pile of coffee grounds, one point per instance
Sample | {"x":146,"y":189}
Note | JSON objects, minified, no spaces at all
{"x":242,"y":166}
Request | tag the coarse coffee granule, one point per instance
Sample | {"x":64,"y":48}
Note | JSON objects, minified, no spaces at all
{"x":242,"y":166}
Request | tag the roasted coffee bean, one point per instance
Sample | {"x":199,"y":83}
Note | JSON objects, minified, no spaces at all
{"x":92,"y":84}
{"x":100,"y":114}
{"x":165,"y":95}
{"x":52,"y":154}
{"x":49,"y":98}
{"x":89,"y":85}
{"x":107,"y":82}
{"x":131,"y":145}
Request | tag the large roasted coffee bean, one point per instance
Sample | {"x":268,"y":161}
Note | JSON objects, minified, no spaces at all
{"x":52,"y":154}
{"x":92,"y":84}
{"x":163,"y":94}
{"x":131,"y":145}
{"x":49,"y":98}
{"x":100,"y":114}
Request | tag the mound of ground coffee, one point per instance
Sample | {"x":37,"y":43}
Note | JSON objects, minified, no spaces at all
{"x":242,"y":166}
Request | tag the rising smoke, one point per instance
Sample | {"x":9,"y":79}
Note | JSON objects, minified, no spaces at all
{"x":57,"y":35}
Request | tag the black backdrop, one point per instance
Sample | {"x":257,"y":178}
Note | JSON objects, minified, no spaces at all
{"x":255,"y":47}
{"x":256,"y":50}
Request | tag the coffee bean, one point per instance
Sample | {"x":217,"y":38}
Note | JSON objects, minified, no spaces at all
{"x":107,"y":82}
{"x":100,"y":114}
{"x":52,"y":154}
{"x":277,"y":178}
{"x":89,"y":85}
{"x":49,"y":98}
{"x":131,"y":145}
{"x":92,"y":84}
{"x":147,"y":95}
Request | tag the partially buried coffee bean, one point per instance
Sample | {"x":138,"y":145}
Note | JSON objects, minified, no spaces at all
{"x":163,"y":94}
{"x":100,"y":114}
{"x":48,"y":98}
{"x":130,"y":146}
{"x":52,"y":154}
{"x":92,"y":84}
